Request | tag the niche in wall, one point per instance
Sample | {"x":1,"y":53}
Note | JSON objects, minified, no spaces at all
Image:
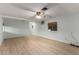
{"x":52,"y":26}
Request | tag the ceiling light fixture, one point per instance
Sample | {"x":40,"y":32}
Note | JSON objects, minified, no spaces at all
{"x":39,"y":15}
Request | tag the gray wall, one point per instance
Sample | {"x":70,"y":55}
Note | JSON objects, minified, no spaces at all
{"x":68,"y":29}
{"x":60,"y":35}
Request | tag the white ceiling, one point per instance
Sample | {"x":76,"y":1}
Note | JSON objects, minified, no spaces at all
{"x":27,"y":10}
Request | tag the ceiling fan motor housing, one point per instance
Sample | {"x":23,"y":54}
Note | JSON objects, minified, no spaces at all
{"x":40,"y":13}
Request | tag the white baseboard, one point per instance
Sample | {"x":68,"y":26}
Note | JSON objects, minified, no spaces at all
{"x":64,"y":41}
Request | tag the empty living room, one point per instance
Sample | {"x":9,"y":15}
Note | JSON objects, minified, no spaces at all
{"x":39,"y":28}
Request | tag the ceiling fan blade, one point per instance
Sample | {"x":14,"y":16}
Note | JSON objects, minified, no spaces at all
{"x":22,"y":7}
{"x":31,"y":18}
{"x":48,"y":17}
{"x":50,"y":5}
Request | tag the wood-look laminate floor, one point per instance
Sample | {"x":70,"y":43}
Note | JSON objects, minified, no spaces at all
{"x":36,"y":45}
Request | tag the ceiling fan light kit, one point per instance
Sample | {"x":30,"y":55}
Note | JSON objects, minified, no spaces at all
{"x":39,"y":15}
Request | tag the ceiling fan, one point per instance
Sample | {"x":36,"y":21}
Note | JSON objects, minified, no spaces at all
{"x":40,"y":14}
